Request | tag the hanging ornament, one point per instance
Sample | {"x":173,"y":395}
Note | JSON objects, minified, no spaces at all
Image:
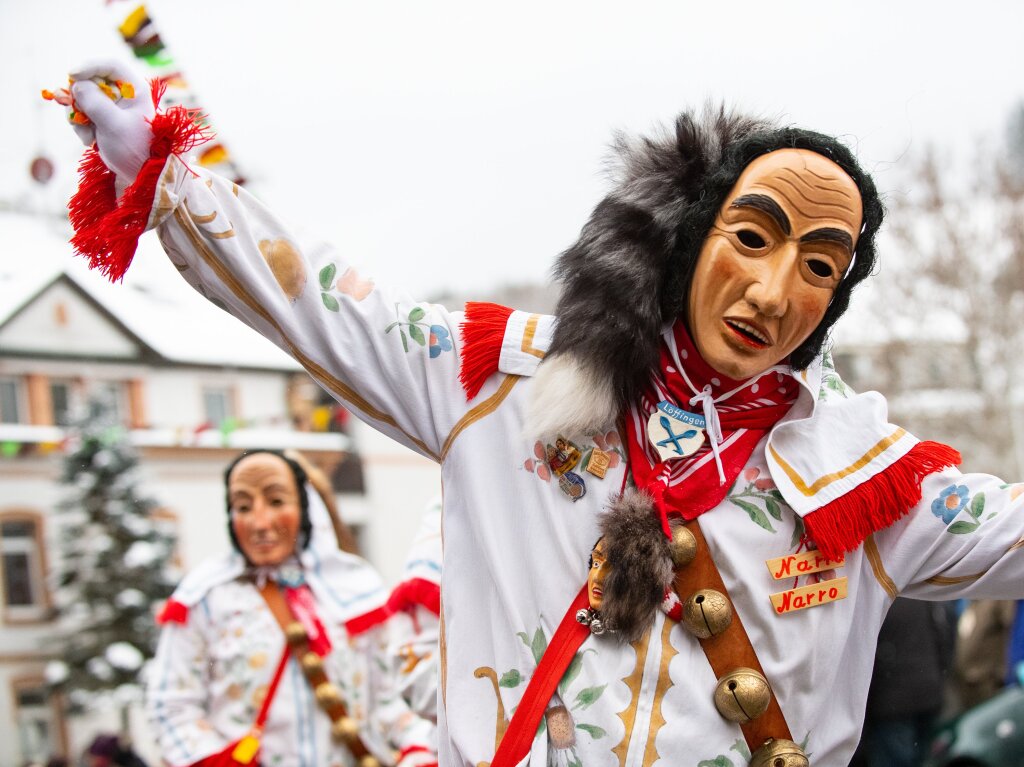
{"x":41,"y":169}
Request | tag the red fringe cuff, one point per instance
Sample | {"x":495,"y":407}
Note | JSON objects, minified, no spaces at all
{"x":843,"y":524}
{"x":416,"y":591}
{"x":483,"y":331}
{"x":367,"y":621}
{"x":107,"y":229}
{"x":416,"y":750}
{"x":173,"y":612}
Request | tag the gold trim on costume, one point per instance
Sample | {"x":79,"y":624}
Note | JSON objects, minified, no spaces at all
{"x":875,"y":559}
{"x":330,"y":381}
{"x":485,"y":408}
{"x":633,"y":682}
{"x":196,"y":217}
{"x":668,"y":652}
{"x":528,"y":333}
{"x":952,"y":580}
{"x":810,"y":489}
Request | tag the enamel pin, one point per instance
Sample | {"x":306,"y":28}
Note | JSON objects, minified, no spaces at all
{"x":674,"y":432}
{"x":572,"y":485}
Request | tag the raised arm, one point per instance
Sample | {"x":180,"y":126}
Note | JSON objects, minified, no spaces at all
{"x":389,"y":358}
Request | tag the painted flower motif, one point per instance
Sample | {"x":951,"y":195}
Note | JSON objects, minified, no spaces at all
{"x":751,"y":473}
{"x":950,"y":502}
{"x":440,"y":341}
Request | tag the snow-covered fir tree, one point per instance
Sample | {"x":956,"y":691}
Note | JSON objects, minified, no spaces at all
{"x":115,"y":569}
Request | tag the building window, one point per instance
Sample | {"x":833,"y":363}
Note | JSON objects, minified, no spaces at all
{"x":22,"y":565}
{"x":37,"y":721}
{"x":217,"y":404}
{"x":108,"y":398}
{"x":10,"y":401}
{"x":60,"y":397}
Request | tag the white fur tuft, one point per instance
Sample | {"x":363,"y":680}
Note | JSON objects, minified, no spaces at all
{"x":567,"y":398}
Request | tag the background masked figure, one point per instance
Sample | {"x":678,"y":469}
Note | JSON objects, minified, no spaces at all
{"x":285,"y":595}
{"x":688,"y":355}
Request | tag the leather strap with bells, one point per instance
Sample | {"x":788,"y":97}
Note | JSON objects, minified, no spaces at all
{"x":727,"y":647}
{"x":328,"y":697}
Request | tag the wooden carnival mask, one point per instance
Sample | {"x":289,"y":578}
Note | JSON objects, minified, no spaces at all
{"x":780,"y":244}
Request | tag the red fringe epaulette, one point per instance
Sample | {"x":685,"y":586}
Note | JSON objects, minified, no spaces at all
{"x":416,"y":591}
{"x":107,"y":229}
{"x":483,"y":331}
{"x":173,"y":612}
{"x":366,"y":621}
{"x":844,"y":524}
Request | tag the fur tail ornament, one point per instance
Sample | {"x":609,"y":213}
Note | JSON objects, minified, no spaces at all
{"x":638,"y":556}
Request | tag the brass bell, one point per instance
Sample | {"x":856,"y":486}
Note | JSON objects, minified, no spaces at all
{"x":327,"y":695}
{"x":742,"y":695}
{"x":369,"y":760}
{"x":779,"y":752}
{"x":311,"y":663}
{"x":344,"y":729}
{"x":683,"y":547}
{"x":295,"y":633}
{"x":707,"y":613}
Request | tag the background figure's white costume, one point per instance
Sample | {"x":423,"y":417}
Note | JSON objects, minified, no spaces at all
{"x":212,"y":671}
{"x":414,"y":625}
{"x":516,"y":547}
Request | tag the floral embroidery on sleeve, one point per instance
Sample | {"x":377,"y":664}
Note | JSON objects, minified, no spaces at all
{"x":954,"y":499}
{"x":436,"y":338}
{"x":350,"y":284}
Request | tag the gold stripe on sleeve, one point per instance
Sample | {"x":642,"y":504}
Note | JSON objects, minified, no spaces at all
{"x":810,"y":489}
{"x":875,"y":558}
{"x":482,"y":410}
{"x":528,"y":333}
{"x":336,"y":385}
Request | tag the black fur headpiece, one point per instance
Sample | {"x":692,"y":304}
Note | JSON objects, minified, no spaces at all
{"x":628,"y":275}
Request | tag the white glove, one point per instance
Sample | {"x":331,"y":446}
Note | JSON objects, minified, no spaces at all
{"x":121,"y":129}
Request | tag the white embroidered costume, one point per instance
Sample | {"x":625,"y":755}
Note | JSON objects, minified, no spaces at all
{"x":516,"y":545}
{"x":215,"y":660}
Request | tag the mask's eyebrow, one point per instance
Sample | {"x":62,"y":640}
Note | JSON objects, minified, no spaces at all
{"x":830,"y":234}
{"x":765,"y":204}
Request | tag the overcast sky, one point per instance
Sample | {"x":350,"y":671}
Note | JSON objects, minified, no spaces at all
{"x":459,"y":145}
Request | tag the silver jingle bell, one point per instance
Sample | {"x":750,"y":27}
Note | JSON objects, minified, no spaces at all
{"x":583,"y":616}
{"x":597,"y":626}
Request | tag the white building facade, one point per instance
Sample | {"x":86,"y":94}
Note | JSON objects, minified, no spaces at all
{"x":193,"y":387}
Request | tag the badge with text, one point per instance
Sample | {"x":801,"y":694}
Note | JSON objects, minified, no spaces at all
{"x":816,"y":594}
{"x":598,"y":462}
{"x":674,"y":432}
{"x":795,"y":565}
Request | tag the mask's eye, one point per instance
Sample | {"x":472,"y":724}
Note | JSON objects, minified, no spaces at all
{"x":750,"y":239}
{"x":819,"y":268}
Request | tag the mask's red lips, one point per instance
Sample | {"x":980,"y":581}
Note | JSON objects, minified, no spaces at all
{"x":751,"y":333}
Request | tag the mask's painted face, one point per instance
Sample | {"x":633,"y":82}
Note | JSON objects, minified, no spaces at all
{"x":265,"y":510}
{"x":596,"y":575}
{"x":778,"y":249}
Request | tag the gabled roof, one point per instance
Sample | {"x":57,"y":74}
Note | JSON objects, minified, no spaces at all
{"x":153,"y":307}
